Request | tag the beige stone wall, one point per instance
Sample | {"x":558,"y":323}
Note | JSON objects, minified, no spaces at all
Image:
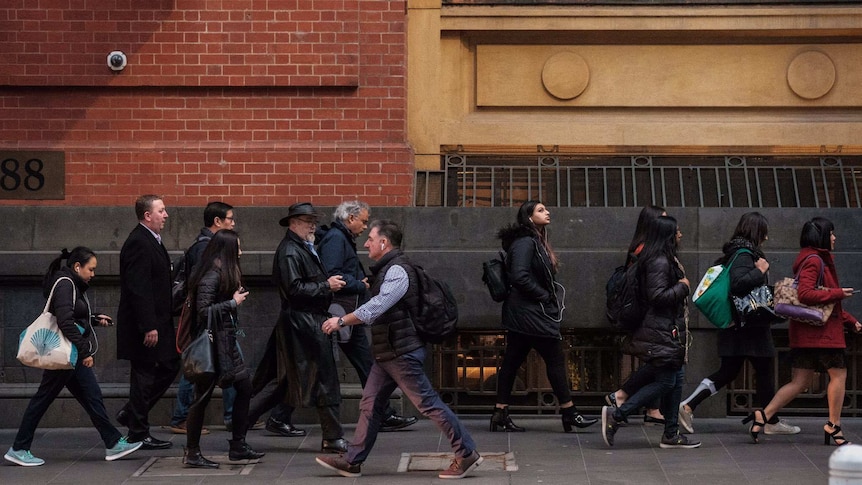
{"x":661,"y":79}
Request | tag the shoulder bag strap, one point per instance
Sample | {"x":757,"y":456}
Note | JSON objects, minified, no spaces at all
{"x":819,"y":277}
{"x":51,"y":294}
{"x":736,"y":254}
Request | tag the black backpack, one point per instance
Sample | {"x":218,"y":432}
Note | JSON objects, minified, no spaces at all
{"x":495,"y":278}
{"x":180,"y":272}
{"x":625,"y":307}
{"x":437,"y":316}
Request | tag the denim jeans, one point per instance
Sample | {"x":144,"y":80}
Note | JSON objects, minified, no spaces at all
{"x":82,"y":383}
{"x":667,"y":386}
{"x":407,"y":372}
{"x":186,"y":396}
{"x":358,"y":352}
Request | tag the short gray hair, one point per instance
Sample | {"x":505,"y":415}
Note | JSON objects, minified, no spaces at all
{"x":349,"y":208}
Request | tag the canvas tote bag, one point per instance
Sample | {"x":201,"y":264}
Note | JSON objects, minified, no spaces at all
{"x":42,"y":345}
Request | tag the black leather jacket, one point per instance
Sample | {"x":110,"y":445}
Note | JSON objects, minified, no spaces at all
{"x":223,"y":307}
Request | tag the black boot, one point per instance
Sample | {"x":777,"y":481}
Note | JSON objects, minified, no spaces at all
{"x":571,"y":417}
{"x":501,"y":419}
{"x":192,"y":458}
{"x":239,"y":450}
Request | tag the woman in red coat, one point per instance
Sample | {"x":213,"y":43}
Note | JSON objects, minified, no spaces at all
{"x":815,"y":348}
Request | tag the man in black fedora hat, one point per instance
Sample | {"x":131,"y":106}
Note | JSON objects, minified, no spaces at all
{"x":305,"y":361}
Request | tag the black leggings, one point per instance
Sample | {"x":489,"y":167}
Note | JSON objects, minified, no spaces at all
{"x":730,"y":368}
{"x":203,"y":392}
{"x":518,"y":345}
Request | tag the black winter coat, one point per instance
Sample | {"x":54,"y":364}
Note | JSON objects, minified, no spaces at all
{"x":337,"y":249}
{"x":754,"y":339}
{"x":231,"y":366}
{"x":73,"y":318}
{"x":533,"y":306}
{"x":661,"y":338}
{"x":145,"y":299}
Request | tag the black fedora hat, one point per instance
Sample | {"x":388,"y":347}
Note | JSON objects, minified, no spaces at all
{"x":299,"y":209}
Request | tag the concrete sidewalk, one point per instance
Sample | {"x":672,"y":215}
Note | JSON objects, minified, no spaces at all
{"x":542,"y":455}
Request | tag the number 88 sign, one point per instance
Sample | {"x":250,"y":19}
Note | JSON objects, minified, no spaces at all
{"x":32,"y":175}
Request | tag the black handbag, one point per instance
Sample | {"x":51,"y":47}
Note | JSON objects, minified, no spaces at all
{"x":199,"y":360}
{"x":757,"y":307}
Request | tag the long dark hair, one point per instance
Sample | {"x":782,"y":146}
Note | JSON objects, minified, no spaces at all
{"x":753,"y":227}
{"x":817,"y":233}
{"x":523,"y":218}
{"x":647,"y":216}
{"x":660,"y":241}
{"x":81,"y":255}
{"x":222,"y":252}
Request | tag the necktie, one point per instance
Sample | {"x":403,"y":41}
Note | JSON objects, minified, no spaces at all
{"x":311,"y":248}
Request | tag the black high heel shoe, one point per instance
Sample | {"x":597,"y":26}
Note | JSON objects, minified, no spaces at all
{"x":760,"y":424}
{"x":501,"y":419}
{"x":573,"y":418}
{"x":834,"y":435}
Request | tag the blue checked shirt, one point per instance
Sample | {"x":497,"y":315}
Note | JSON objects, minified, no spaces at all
{"x":394,"y":287}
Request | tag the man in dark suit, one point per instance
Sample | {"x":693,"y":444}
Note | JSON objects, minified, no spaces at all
{"x":145,"y":330}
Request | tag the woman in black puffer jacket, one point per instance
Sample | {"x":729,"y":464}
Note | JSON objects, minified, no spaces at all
{"x":661,"y":342}
{"x":69,"y":304}
{"x":215,"y":287}
{"x":532,"y":314}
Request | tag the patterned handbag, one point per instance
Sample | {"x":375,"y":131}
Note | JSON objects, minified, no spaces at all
{"x":42,"y":345}
{"x":787,"y":301}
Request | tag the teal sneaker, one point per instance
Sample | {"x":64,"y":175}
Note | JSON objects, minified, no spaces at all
{"x":121,"y":449}
{"x":23,"y":458}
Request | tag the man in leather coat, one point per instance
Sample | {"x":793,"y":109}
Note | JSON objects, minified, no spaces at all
{"x":305,"y":354}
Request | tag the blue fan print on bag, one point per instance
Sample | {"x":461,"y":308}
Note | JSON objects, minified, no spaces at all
{"x":45,"y":341}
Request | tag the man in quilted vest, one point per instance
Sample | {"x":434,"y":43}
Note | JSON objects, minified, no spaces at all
{"x":399,"y":354}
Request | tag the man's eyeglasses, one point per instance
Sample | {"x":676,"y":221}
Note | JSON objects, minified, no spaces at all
{"x":308,"y":220}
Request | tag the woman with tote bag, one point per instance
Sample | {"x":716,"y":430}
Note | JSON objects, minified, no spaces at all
{"x":72,"y":309}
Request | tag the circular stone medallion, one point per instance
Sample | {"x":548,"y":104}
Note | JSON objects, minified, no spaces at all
{"x":811,"y":75}
{"x":565,"y":75}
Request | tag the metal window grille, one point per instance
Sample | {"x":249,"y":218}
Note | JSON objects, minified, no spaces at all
{"x":669,"y":181}
{"x":465,"y":374}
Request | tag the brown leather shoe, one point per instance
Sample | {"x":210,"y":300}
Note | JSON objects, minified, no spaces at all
{"x":181,"y":429}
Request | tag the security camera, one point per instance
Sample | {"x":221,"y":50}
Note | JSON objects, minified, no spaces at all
{"x":117,"y":61}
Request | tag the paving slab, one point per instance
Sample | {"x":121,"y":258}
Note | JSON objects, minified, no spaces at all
{"x":542,"y":455}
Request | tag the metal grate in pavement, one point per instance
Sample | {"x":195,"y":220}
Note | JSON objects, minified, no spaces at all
{"x":172,"y":466}
{"x":415,"y":462}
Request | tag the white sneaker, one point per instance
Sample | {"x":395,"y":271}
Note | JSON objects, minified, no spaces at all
{"x":781,"y":427}
{"x":685,"y":419}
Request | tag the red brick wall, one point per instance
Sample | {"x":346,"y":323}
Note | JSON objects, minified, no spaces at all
{"x":261,"y":102}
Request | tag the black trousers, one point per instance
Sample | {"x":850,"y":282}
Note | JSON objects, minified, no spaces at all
{"x":82,"y":383}
{"x":273,"y":394}
{"x":518,"y":345}
{"x":148,"y":382}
